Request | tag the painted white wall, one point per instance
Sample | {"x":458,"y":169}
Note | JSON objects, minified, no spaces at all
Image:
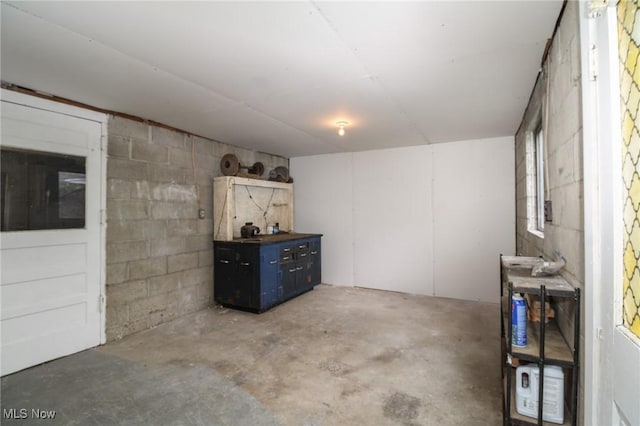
{"x":392,"y":219}
{"x":323,"y":204}
{"x":474,"y":216}
{"x":424,"y":220}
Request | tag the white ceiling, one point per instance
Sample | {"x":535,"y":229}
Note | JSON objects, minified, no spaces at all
{"x":276,"y":76}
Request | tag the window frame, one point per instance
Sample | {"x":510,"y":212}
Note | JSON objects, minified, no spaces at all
{"x":37,"y":200}
{"x":535,"y":171}
{"x":539,"y":148}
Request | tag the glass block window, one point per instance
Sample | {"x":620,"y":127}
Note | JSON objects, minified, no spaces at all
{"x":40,"y":190}
{"x":629,"y":51}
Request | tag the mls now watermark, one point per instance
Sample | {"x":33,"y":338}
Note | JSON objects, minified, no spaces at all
{"x":24,"y":413}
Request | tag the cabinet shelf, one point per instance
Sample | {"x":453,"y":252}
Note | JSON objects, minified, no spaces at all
{"x":237,"y":200}
{"x":523,"y":282}
{"x":520,"y":419}
{"x":546,"y":344}
{"x":518,"y":271}
{"x":556,"y":348}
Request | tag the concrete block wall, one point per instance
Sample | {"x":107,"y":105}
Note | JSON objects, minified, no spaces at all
{"x":159,"y":253}
{"x":565,"y":233}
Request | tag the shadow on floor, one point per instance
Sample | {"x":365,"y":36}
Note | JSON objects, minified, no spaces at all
{"x":334,"y":356}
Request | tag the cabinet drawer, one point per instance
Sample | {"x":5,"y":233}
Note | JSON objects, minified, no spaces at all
{"x":287,"y":252}
{"x":314,"y":247}
{"x":302,"y":246}
{"x":225,"y":256}
{"x":302,"y":250}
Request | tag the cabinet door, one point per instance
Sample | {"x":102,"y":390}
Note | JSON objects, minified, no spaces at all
{"x":302,"y":269}
{"x":316,"y":261}
{"x":246,"y":286}
{"x":224,"y":274}
{"x":269,"y":292}
{"x":288,"y":279}
{"x":305,"y":268}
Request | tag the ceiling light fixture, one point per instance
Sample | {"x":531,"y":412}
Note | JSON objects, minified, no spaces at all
{"x":341,"y":125}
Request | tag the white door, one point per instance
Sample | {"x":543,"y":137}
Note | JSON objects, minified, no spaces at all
{"x":51,"y":239}
{"x":612,"y":376}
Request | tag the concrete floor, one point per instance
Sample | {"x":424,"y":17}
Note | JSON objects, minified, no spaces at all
{"x":334,"y":356}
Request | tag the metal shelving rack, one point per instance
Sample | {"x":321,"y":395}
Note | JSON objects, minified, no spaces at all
{"x":546,"y":344}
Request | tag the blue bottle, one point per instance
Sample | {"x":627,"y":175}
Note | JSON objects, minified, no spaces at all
{"x":518,"y":321}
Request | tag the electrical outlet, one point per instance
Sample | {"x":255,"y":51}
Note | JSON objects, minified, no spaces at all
{"x":548,"y":211}
{"x":201,"y":213}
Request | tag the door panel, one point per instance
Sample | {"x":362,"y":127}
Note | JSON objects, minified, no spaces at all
{"x":301,"y":272}
{"x":52,"y":293}
{"x":53,"y":260}
{"x":316,"y":258}
{"x":288,"y":271}
{"x":626,"y":380}
{"x":244,"y":287}
{"x":269,"y":276}
{"x":224,"y":275}
{"x":612,"y":383}
{"x":247,"y":277}
{"x":51,"y":279}
{"x":626,"y":336}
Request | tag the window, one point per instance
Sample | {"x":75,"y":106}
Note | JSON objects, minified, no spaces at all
{"x":40,"y":190}
{"x":630,"y":260}
{"x":539,"y":156}
{"x":535,"y":177}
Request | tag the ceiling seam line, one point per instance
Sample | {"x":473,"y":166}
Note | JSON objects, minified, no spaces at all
{"x":139,"y":61}
{"x":66,"y":101}
{"x":235,"y":102}
{"x":161,"y":69}
{"x":285,"y":124}
{"x":370,"y":75}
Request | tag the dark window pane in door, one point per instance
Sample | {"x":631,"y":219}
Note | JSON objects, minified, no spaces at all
{"x":40,"y":190}
{"x":71,"y":195}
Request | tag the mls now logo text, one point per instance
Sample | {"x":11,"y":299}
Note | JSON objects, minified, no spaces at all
{"x":23,"y":413}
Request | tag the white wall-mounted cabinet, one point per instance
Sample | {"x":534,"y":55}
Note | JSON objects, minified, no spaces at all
{"x":238,"y":200}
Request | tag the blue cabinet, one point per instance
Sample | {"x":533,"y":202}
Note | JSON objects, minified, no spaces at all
{"x":315,"y":257}
{"x":296,"y":267}
{"x":270,"y":288}
{"x":237,"y":264}
{"x":255,"y":274}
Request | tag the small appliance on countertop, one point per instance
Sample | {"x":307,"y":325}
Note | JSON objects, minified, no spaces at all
{"x":249,"y":230}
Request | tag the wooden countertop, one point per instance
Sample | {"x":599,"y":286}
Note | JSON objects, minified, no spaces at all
{"x":271,"y":239}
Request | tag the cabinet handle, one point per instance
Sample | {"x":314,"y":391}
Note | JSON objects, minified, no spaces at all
{"x":303,"y":254}
{"x":224,"y":261}
{"x":302,"y":246}
{"x":300,"y":268}
{"x":292,"y":270}
{"x":273,"y":262}
{"x":286,"y":258}
{"x":314,"y":252}
{"x":287,"y":249}
{"x":244,"y":263}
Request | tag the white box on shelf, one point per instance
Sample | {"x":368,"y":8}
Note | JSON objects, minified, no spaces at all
{"x":527,"y":386}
